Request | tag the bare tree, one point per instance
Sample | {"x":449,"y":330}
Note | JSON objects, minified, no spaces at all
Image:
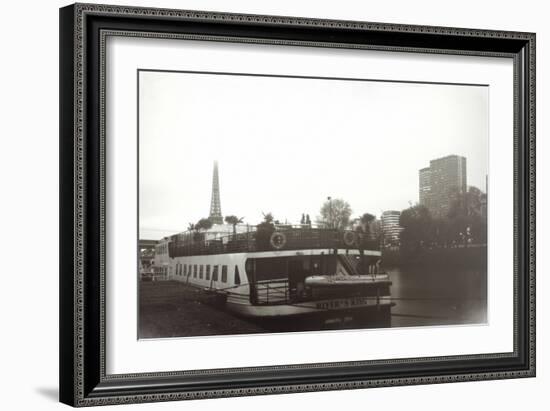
{"x":335,"y":213}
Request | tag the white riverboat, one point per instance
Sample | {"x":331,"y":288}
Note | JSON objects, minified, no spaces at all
{"x":282,"y":272}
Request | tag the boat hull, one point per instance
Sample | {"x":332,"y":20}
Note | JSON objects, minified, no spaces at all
{"x":305,"y":308}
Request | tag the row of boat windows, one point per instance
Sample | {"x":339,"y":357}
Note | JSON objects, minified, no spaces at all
{"x":207,"y":272}
{"x":162,"y":249}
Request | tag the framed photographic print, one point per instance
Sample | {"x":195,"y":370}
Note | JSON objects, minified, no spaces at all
{"x":262,"y":204}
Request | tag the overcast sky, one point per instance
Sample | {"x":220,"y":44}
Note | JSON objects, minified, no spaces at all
{"x":284,"y":144}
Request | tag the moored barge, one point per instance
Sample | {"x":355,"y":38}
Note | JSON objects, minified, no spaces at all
{"x":284,"y":271}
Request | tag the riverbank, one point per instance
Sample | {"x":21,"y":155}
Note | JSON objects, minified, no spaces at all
{"x":172,"y":309}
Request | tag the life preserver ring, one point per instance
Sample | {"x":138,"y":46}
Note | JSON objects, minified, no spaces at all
{"x":349,"y":238}
{"x":277,"y":240}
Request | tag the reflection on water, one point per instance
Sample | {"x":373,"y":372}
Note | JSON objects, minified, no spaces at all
{"x":438,"y":296}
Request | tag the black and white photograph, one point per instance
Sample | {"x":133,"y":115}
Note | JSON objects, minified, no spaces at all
{"x":258,"y":202}
{"x":278,"y":203}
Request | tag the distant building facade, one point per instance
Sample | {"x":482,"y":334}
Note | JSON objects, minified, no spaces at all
{"x":441,"y":184}
{"x":146,"y":256}
{"x":391,"y":230}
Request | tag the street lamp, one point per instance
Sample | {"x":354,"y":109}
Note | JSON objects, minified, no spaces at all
{"x":330,"y":211}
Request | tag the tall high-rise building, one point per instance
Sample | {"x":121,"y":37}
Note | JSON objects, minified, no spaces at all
{"x":424,"y":185}
{"x":391,"y":230}
{"x":215,"y":204}
{"x":441,"y":184}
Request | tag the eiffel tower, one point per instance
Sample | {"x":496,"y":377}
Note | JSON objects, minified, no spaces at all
{"x":215,"y":205}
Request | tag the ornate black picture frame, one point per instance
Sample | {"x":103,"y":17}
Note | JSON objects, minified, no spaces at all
{"x":83,"y":379}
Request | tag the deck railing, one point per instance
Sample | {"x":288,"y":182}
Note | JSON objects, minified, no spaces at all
{"x":272,"y":292}
{"x":275,"y":240}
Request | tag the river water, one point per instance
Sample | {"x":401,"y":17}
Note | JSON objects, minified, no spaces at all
{"x":423,"y":296}
{"x":438,"y":296}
